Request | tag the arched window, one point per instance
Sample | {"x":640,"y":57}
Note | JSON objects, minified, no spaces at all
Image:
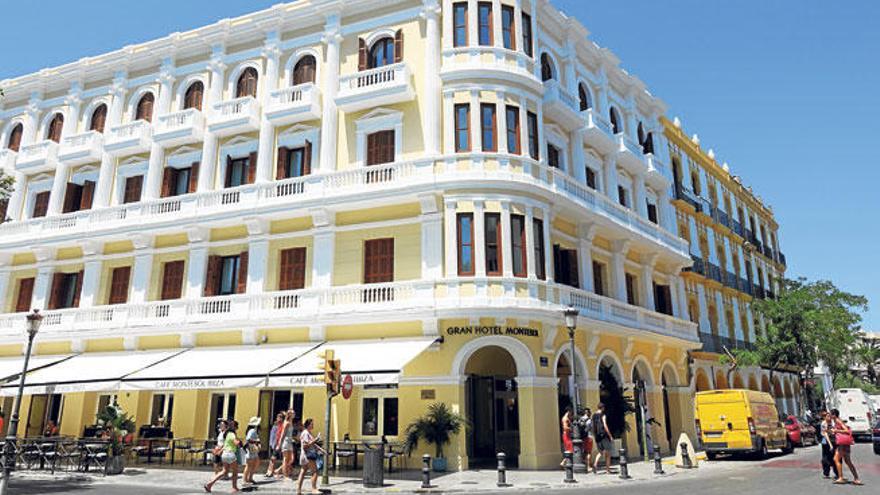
{"x":381,"y":53}
{"x":247,"y":83}
{"x":99,"y":119}
{"x":144,"y":109}
{"x":586,"y":102}
{"x":304,"y":70}
{"x":648,"y":145}
{"x":53,"y":132}
{"x":193,"y":96}
{"x":547,"y":70}
{"x":615,"y":120}
{"x":15,"y":137}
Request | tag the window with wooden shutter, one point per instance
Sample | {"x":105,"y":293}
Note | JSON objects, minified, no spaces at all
{"x":511,"y":116}
{"x":25,"y":295}
{"x":194,"y":177}
{"x":532,"y":128}
{"x":4,"y":207}
{"x":488,"y":127}
{"x":15,"y":137}
{"x":538,"y":236}
{"x":652,"y":213}
{"x":599,"y":278}
{"x":381,"y":53}
{"x":459,"y":24}
{"x":485,"y":30}
{"x":119,"y":280}
{"x":304,"y":70}
{"x":518,"y":244}
{"x":379,"y":261}
{"x":292,"y":273}
{"x":172,"y":280}
{"x":465,"y":230}
{"x":55,"y":291}
{"x":663,"y":299}
{"x":212,"y":276}
{"x":168,"y":180}
{"x":77,"y":289}
{"x":238,"y":171}
{"x":281,"y":166}
{"x":72,"y":198}
{"x":462,"y":113}
{"x":252,"y":168}
{"x":566,"y":266}
{"x":99,"y":119}
{"x":591,"y":178}
{"x":66,"y":289}
{"x":133,"y":187}
{"x":527,"y":34}
{"x":380,"y":147}
{"x":87,"y":196}
{"x":193,"y":97}
{"x":41,"y":204}
{"x":362,"y":55}
{"x":53,"y":133}
{"x":247,"y":83}
{"x":508,"y":30}
{"x":630,"y":281}
{"x":145,"y":108}
{"x":307,"y":158}
{"x":492,"y":241}
{"x":230,"y":269}
{"x":241,"y":286}
{"x":398,"y":46}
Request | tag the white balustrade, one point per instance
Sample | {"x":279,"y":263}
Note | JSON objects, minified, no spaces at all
{"x":375,"y":87}
{"x":38,"y":157}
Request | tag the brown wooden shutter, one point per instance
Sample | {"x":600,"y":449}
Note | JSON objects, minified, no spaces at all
{"x":55,"y":293}
{"x":55,"y":127}
{"x":228,"y":171}
{"x":212,"y":277}
{"x":41,"y":204}
{"x":194,"y":177}
{"x":362,"y":55}
{"x":242,"y":273}
{"x":88,"y":195}
{"x":252,"y":168}
{"x":25,"y":295}
{"x":119,"y":280}
{"x":398,"y":46}
{"x":573,"y":276}
{"x":99,"y":119}
{"x":281,"y":167}
{"x":379,"y":261}
{"x":77,"y":291}
{"x":72,"y":197}
{"x":307,"y":158}
{"x":172,"y":280}
{"x":167,"y":181}
{"x":133,"y":186}
{"x":15,"y":137}
{"x":293,"y":269}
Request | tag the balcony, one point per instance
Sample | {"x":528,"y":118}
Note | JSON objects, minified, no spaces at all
{"x":129,"y":139}
{"x":744,"y":286}
{"x":598,"y":131}
{"x":630,"y":153}
{"x":375,"y":87}
{"x":7,"y":159}
{"x":781,"y":258}
{"x":738,"y":229}
{"x":697,"y":267}
{"x":561,"y":106}
{"x":295,"y":104}
{"x":768,"y":252}
{"x":714,"y":272}
{"x":717,"y":344}
{"x":684,"y":194}
{"x":730,"y":280}
{"x":235,"y":116}
{"x":184,"y":127}
{"x":37,"y":158}
{"x":82,"y":148}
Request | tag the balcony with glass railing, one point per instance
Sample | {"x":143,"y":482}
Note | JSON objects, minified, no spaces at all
{"x":371,"y":88}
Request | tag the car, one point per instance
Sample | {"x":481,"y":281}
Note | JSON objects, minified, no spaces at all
{"x":800,"y":432}
{"x":876,"y":436}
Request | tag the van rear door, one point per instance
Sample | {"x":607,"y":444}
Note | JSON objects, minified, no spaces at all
{"x":722,"y":412}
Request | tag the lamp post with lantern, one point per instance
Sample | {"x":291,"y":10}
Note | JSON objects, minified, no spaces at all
{"x":571,"y":316}
{"x":9,"y":447}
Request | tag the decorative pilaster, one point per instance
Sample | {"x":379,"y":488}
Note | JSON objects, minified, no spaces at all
{"x":329,"y":123}
{"x":207,"y":170}
{"x":431,"y":98}
{"x":266,"y":153}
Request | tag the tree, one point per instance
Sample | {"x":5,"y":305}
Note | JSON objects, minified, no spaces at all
{"x":6,"y":183}
{"x":867,"y":353}
{"x":806,"y":323}
{"x":437,"y":427}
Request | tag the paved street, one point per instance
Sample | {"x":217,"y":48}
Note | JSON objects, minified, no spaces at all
{"x":796,"y":474}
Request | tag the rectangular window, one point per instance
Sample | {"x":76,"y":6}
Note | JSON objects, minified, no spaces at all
{"x":292,"y":274}
{"x":229,"y":268}
{"x":297,"y":163}
{"x":538,"y":235}
{"x":508,"y":31}
{"x":105,"y":400}
{"x":370,"y":417}
{"x":172,"y":280}
{"x":460,"y":24}
{"x":41,"y":204}
{"x":462,"y":127}
{"x":599,"y":278}
{"x":163,"y":406}
{"x":237,"y":172}
{"x":380,"y":147}
{"x":181,"y":181}
{"x":512,"y":120}
{"x":552,"y":156}
{"x":622,"y":196}
{"x":532,"y":127}
{"x":591,"y":178}
{"x":465,"y":243}
{"x":379,"y":260}
{"x":652,"y":213}
{"x":631,"y":289}
{"x":487,"y":125}
{"x":527,"y":34}
{"x":389,"y":416}
{"x":566,"y":266}
{"x":119,"y":285}
{"x":25,"y":295}
{"x":133,"y":187}
{"x":486,"y":37}
{"x":663,"y":299}
{"x":65,"y":290}
{"x":492,"y":229}
{"x":518,"y":244}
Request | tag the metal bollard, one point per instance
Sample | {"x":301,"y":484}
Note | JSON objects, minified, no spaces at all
{"x":658,"y":461}
{"x":685,"y":458}
{"x":502,"y":470}
{"x":426,"y":471}
{"x":569,"y":467}
{"x":624,"y":470}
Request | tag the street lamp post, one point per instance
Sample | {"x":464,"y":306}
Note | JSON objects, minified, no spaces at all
{"x":571,"y":315}
{"x":33,"y":326}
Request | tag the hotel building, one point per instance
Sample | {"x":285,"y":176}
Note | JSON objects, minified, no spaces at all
{"x":420,"y":186}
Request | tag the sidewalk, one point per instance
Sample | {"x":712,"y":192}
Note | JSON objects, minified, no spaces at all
{"x":191,"y":481}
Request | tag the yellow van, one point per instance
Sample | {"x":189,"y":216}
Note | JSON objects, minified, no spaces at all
{"x":734,"y":421}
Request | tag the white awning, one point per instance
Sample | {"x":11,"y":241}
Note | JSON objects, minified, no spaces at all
{"x":369,"y":362}
{"x":216,"y":368}
{"x":10,"y":368}
{"x":89,"y":372}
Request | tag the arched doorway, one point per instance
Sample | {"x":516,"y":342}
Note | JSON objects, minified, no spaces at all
{"x":672,"y":417}
{"x":641,"y":379}
{"x":701,"y":381}
{"x":611,"y":395}
{"x":492,"y":406}
{"x":753,"y":383}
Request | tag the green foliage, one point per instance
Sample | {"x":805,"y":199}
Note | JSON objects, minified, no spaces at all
{"x":436,"y":427}
{"x":117,"y":424}
{"x":866,"y":353}
{"x":6,"y":183}
{"x":617,"y":404}
{"x":806,"y":323}
{"x":851,"y":380}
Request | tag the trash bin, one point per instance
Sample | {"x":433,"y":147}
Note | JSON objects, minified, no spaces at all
{"x":374,"y":459}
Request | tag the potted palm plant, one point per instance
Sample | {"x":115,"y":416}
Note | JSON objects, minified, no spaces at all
{"x":437,"y":427}
{"x":116,"y":425}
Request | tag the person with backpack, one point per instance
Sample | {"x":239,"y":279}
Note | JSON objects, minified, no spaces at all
{"x":603,"y":438}
{"x":829,"y":449}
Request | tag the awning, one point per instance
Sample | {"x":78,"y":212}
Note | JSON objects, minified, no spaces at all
{"x":216,"y":368}
{"x":369,"y":362}
{"x":89,"y":372}
{"x":10,"y":368}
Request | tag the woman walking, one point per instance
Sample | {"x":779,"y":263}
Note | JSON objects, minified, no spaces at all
{"x":229,"y":458}
{"x":828,"y":446}
{"x":218,"y":445}
{"x":844,"y":439}
{"x":285,"y":444}
{"x":252,"y":449}
{"x":274,"y":449}
{"x":308,"y":456}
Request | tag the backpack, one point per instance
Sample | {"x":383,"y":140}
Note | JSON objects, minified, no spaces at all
{"x":598,"y":427}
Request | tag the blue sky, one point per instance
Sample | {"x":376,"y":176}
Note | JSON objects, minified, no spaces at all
{"x":785,"y":91}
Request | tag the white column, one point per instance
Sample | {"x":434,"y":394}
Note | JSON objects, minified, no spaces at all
{"x":647,"y":279}
{"x":585,"y":257}
{"x":618,"y":270}
{"x":42,"y":286}
{"x":479,"y":239}
{"x":530,"y":243}
{"x":140,"y":278}
{"x":329,"y":118}
{"x":611,"y":178}
{"x":641,"y":204}
{"x":665,"y":212}
{"x":91,"y":283}
{"x":506,"y":242}
{"x":722,"y":315}
{"x":578,"y":162}
{"x":59,"y":187}
{"x":16,"y":199}
{"x":548,"y":244}
{"x":448,"y":123}
{"x":322,"y":266}
{"x":431,"y":97}
{"x":5,"y":284}
{"x":472,"y":23}
{"x":705,"y":326}
{"x":476,"y":129}
{"x":496,"y":24}
{"x":71,"y":117}
{"x":683,"y":309}
{"x":517,"y":25}
{"x":432,"y":246}
{"x":258,"y":256}
{"x":207,"y":170}
{"x":523,"y":126}
{"x":197,"y":268}
{"x":737,"y":320}
{"x":542,"y":136}
{"x":568,"y":67}
{"x":104,"y":188}
{"x":451,"y":239}
{"x":501,"y":121}
{"x":266,"y":151}
{"x":152,"y":190}
{"x":447,"y":24}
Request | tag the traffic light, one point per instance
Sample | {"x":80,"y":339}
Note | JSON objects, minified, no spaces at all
{"x":325,"y":366}
{"x":335,"y":366}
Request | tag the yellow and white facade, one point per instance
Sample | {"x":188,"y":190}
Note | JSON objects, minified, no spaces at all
{"x":733,"y":240}
{"x":472,"y":169}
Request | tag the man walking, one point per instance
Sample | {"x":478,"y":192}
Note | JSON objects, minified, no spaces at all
{"x":828,"y":447}
{"x":603,"y":438}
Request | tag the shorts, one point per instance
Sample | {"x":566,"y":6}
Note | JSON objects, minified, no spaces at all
{"x":287,"y":445}
{"x":218,"y":459}
{"x":588,"y":445}
{"x":229,"y":457}
{"x":604,"y":445}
